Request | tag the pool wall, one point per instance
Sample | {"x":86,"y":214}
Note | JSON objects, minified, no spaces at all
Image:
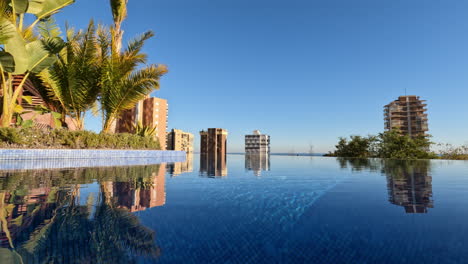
{"x":26,"y":159}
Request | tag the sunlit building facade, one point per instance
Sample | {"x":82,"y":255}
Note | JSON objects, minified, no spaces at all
{"x":408,"y":115}
{"x":257,"y":143}
{"x":180,"y":141}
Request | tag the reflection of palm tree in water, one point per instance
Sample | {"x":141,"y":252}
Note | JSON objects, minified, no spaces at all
{"x":66,"y":231}
{"x":74,"y":235}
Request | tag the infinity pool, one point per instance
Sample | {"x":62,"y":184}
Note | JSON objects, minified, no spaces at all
{"x":245,"y":209}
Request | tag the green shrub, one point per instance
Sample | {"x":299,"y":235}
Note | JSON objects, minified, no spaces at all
{"x":450,"y":152}
{"x":61,"y":138}
{"x":388,"y":145}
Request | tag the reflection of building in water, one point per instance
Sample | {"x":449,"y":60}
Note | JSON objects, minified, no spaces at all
{"x":257,"y":143}
{"x":20,"y":211}
{"x":257,"y":163}
{"x":42,"y":211}
{"x":138,"y":196}
{"x":213,"y":165}
{"x":213,"y":152}
{"x":175,"y":169}
{"x":410,"y":186}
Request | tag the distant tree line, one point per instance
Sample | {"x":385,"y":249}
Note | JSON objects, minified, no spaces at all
{"x":389,"y":144}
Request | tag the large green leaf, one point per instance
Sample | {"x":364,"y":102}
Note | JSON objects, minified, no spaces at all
{"x":7,"y":61}
{"x":50,"y":7}
{"x":39,"y":57}
{"x":16,"y":46}
{"x":7,"y":30}
{"x":35,"y":6}
{"x":20,"y":6}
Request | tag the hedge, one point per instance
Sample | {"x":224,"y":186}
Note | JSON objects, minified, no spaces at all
{"x":65,"y":139}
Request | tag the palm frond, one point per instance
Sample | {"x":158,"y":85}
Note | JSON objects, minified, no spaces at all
{"x":135,"y":45}
{"x":48,"y":28}
{"x":119,"y":10}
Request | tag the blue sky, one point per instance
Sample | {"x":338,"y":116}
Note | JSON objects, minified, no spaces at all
{"x":303,"y":71}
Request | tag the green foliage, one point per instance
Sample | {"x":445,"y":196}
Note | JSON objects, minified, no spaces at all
{"x":144,"y":131}
{"x":60,"y":138}
{"x":390,"y":144}
{"x":23,"y":53}
{"x":450,"y":152}
{"x":123,"y":83}
{"x":73,"y":80}
{"x":358,"y":147}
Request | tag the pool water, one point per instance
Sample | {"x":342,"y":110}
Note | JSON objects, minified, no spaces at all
{"x":245,"y":209}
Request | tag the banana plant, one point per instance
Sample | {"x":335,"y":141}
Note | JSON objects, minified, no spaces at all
{"x":21,"y":51}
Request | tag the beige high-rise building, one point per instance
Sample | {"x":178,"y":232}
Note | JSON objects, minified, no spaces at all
{"x":151,"y":112}
{"x":408,"y":115}
{"x":180,"y":140}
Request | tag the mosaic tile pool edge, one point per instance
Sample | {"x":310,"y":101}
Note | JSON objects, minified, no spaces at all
{"x":27,"y":159}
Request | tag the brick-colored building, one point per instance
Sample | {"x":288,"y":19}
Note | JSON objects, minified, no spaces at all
{"x":213,"y":150}
{"x":408,"y":115}
{"x":150,"y":112}
{"x":214,"y":140}
{"x":180,"y":140}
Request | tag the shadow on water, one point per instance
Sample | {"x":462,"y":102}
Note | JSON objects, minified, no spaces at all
{"x":46,"y":219}
{"x":409,"y":182}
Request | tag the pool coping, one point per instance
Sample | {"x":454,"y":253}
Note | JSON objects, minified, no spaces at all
{"x":30,"y":159}
{"x":43,"y":154}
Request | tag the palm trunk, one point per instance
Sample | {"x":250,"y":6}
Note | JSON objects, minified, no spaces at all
{"x":109,"y":125}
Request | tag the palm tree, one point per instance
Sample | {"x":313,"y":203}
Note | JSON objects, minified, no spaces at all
{"x":119,"y":13}
{"x":122,"y":84}
{"x":73,"y":80}
{"x":21,"y":51}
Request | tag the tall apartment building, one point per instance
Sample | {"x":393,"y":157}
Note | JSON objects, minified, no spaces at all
{"x":180,"y":140}
{"x":257,"y":143}
{"x":408,"y":115}
{"x":213,"y":152}
{"x":214,"y":140}
{"x":151,"y":112}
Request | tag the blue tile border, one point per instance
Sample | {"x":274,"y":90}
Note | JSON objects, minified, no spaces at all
{"x":40,"y":154}
{"x":25,"y":159}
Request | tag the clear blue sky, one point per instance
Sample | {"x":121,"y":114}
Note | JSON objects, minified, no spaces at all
{"x":303,"y":71}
